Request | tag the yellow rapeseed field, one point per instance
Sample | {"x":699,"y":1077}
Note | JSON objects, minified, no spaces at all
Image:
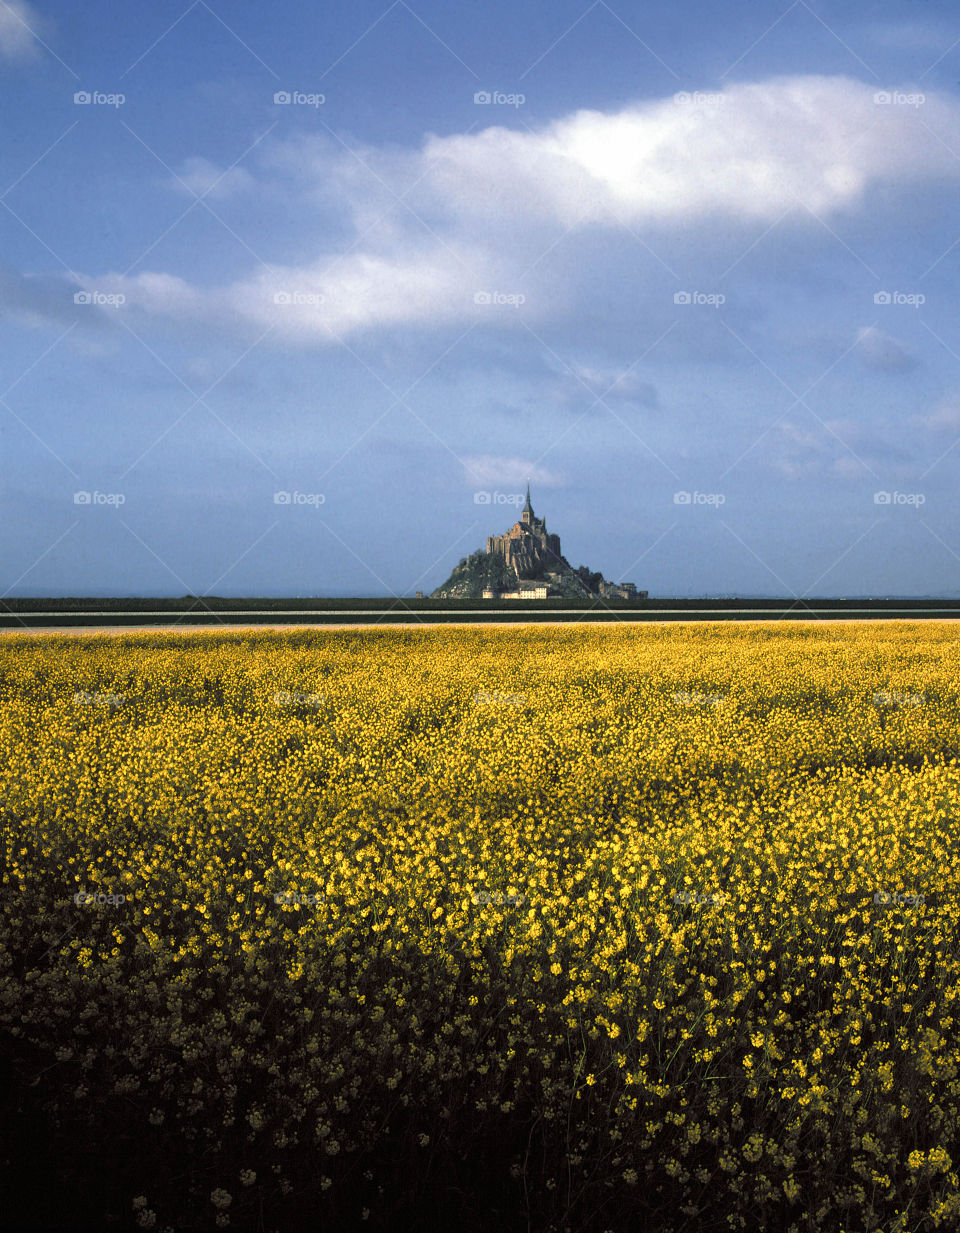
{"x":570,"y":928}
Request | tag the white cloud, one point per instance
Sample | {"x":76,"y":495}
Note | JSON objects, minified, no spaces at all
{"x":759,"y":151}
{"x":482,"y":207}
{"x":362,"y":291}
{"x":612,"y":385}
{"x":849,"y":468}
{"x":878,"y":350}
{"x":810,"y":440}
{"x":334,"y":297}
{"x":164,"y":294}
{"x":945,"y":417}
{"x":17,"y":23}
{"x":204,"y":178}
{"x":501,"y":472}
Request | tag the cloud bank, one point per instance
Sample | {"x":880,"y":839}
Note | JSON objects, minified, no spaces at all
{"x":480,"y":210}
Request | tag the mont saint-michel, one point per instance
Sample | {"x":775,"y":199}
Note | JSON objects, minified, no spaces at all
{"x":525,"y":562}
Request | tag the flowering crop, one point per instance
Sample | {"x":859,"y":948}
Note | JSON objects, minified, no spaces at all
{"x":611,"y":928}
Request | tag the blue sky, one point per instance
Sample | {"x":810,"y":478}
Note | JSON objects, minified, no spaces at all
{"x":691,"y":268}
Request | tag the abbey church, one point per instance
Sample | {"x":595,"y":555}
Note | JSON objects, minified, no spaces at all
{"x":526,"y":563}
{"x":528,"y":549}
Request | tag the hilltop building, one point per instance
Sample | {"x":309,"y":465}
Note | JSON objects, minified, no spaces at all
{"x":528,"y":548}
{"x":526,"y":563}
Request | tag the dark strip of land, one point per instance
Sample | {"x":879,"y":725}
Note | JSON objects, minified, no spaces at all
{"x":87,"y":613}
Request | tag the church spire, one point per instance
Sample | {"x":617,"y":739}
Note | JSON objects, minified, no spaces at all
{"x":528,"y":506}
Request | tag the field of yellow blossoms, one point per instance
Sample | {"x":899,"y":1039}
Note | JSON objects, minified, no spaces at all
{"x":537,"y":928}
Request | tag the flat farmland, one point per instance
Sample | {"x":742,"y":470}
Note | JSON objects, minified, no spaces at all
{"x":536,"y":928}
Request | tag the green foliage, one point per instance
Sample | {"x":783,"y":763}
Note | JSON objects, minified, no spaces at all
{"x":480,"y":571}
{"x":477,"y":572}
